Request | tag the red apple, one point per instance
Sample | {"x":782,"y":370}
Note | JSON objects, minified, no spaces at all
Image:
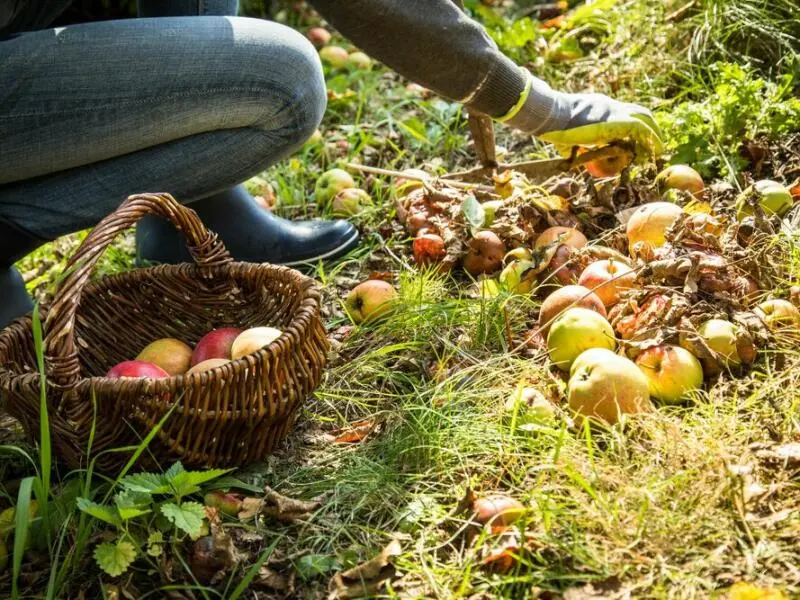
{"x":136,"y":369}
{"x":215,"y":344}
{"x":486,"y":252}
{"x":319,"y":36}
{"x":561,"y":269}
{"x":564,"y":298}
{"x":608,"y":279}
{"x":429,"y":249}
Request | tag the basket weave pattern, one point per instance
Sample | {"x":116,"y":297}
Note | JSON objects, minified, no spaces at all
{"x":224,"y":417}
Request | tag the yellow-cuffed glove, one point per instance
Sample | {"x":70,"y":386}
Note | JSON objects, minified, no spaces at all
{"x":587,"y":120}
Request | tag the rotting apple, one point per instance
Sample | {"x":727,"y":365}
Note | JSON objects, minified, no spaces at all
{"x":604,"y":386}
{"x":720,"y":336}
{"x":350,"y":202}
{"x":608,"y":167}
{"x":561,"y":235}
{"x":773,"y":197}
{"x":208,"y":364}
{"x":171,"y":354}
{"x":318,"y":36}
{"x":681,"y":177}
{"x":136,"y":369}
{"x":577,"y":330}
{"x":428,"y":249}
{"x":562,"y":268}
{"x":518,"y":277}
{"x":252,"y":340}
{"x":567,"y":297}
{"x":359,"y":60}
{"x":608,"y":279}
{"x":497,"y":509}
{"x":649,"y":223}
{"x":331,"y":183}
{"x":370,"y":300}
{"x":227,"y":503}
{"x":779,"y":314}
{"x":672,"y":372}
{"x":520,"y":253}
{"x":215,"y":344}
{"x":485,"y":255}
{"x":335,"y":56}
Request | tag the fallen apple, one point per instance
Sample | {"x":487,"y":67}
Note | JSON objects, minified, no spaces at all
{"x":608,"y":167}
{"x":577,"y":330}
{"x":608,"y":279}
{"x":528,"y":405}
{"x":779,"y":314}
{"x":170,"y":354}
{"x":567,"y":297}
{"x":497,"y":510}
{"x":485,"y":255}
{"x":518,"y":277}
{"x":560,"y":235}
{"x":562,"y":268}
{"x":681,"y":177}
{"x":207,"y":365}
{"x":773,"y":197}
{"x":319,"y":36}
{"x":359,"y":60}
{"x":672,"y":372}
{"x":215,"y":344}
{"x":720,"y":336}
{"x":225,"y":502}
{"x":335,"y":56}
{"x":331,"y":183}
{"x":428,"y":249}
{"x":350,"y":202}
{"x":136,"y":369}
{"x":518,"y":254}
{"x":370,"y":300}
{"x":650,"y":222}
{"x":252,"y":340}
{"x":604,"y":386}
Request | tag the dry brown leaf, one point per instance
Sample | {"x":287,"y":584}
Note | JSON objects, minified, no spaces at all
{"x":368,"y":577}
{"x":288,"y":510}
{"x":502,"y":554}
{"x":250,"y":508}
{"x":355,"y":432}
{"x":267,"y":578}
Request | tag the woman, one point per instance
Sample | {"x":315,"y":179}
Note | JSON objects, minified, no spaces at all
{"x":193,"y":102}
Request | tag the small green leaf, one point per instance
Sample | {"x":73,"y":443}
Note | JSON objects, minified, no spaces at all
{"x":155,"y":543}
{"x":187,"y":517}
{"x":132,"y":504}
{"x":115,"y":559}
{"x":102,"y":512}
{"x":416,"y":129}
{"x":148,"y":483}
{"x":174,"y":470}
{"x":473,"y":211}
{"x":313,"y":565}
{"x":189,"y":482}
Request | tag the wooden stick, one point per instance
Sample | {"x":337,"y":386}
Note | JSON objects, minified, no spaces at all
{"x":389,"y":173}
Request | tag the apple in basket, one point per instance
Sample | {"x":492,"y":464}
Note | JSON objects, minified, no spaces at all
{"x":252,"y":340}
{"x":174,"y":356}
{"x":215,"y":344}
{"x":136,"y":369}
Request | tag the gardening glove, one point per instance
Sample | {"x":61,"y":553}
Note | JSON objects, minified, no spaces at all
{"x":587,"y":120}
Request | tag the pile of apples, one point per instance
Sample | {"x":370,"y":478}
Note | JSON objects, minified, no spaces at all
{"x":604,"y":317}
{"x":168,"y":357}
{"x":336,"y":56}
{"x":337,"y":190}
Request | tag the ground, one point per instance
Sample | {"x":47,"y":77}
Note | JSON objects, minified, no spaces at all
{"x":411,"y":417}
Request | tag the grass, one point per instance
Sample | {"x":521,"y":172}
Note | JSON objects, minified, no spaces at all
{"x":681,"y":504}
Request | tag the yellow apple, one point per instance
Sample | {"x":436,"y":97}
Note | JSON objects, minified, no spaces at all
{"x":681,"y":177}
{"x":252,"y":340}
{"x":370,"y":300}
{"x":518,"y":277}
{"x":773,"y":197}
{"x":170,"y":354}
{"x":720,"y":336}
{"x":577,"y":330}
{"x":672,"y":372}
{"x":779,"y":314}
{"x":649,"y":223}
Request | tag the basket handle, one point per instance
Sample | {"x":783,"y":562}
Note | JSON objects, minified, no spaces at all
{"x":207,"y":250}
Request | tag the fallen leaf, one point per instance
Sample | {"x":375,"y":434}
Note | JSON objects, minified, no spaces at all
{"x":503,"y":553}
{"x":267,"y":578}
{"x":250,"y":508}
{"x":288,"y":510}
{"x":367,"y":578}
{"x":785,"y":453}
{"x":356,"y":432}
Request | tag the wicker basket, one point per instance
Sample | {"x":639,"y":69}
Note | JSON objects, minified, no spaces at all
{"x":225,"y":417}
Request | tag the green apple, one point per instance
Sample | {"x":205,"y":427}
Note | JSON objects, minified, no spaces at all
{"x":350,"y":202}
{"x":359,"y":60}
{"x":331,"y":183}
{"x":528,"y":405}
{"x":779,"y":314}
{"x":773,"y":197}
{"x":335,"y":56}
{"x":604,"y":385}
{"x":672,"y":372}
{"x":370,"y":300}
{"x":720,"y":336}
{"x":576,"y":330}
{"x":518,"y":277}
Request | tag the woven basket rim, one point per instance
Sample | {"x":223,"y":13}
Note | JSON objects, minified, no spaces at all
{"x":307,"y":307}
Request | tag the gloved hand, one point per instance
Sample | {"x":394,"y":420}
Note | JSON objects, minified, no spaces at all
{"x":568,"y":120}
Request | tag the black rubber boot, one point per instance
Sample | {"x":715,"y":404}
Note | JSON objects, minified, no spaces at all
{"x":249,"y":232}
{"x":14,"y":299}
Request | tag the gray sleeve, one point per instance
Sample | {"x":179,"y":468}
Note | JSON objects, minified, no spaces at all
{"x":433,"y":43}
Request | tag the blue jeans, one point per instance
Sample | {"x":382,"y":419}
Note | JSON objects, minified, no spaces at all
{"x":192,"y":105}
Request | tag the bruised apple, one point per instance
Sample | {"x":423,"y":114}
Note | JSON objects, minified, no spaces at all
{"x":560,"y":235}
{"x":604,"y":386}
{"x":350,"y":202}
{"x":650,"y":222}
{"x":681,"y":177}
{"x":370,"y":300}
{"x":331,"y":183}
{"x":318,"y":36}
{"x":567,"y":297}
{"x":608,"y":279}
{"x":335,"y":56}
{"x":672,"y":372}
{"x":486,"y":252}
{"x":136,"y":369}
{"x":428,"y":249}
{"x":577,"y":330}
{"x":252,"y":340}
{"x":170,"y":354}
{"x":215,"y":344}
{"x":207,"y":365}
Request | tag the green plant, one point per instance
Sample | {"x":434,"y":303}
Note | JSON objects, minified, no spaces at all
{"x":708,"y":133}
{"x":146,"y":508}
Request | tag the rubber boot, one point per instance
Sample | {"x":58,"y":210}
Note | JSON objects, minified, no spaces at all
{"x":249,"y":232}
{"x":14,"y":299}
